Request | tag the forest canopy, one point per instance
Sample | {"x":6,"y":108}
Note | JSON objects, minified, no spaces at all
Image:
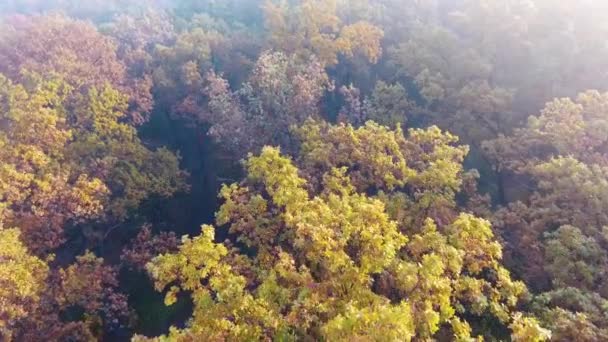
{"x":303,"y":170}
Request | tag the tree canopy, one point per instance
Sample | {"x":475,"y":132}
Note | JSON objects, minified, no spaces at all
{"x":387,"y":170}
{"x":323,"y":259}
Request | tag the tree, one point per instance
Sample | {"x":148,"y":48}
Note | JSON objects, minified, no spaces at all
{"x":565,"y":127}
{"x":479,"y":68}
{"x":73,"y":50}
{"x":418,"y":176}
{"x":22,"y":277}
{"x":322,"y":256}
{"x":280,"y":92}
{"x":344,"y":229}
{"x":556,"y":233}
{"x":136,"y":38}
{"x":66,"y":161}
{"x":203,"y":44}
{"x":452,"y":82}
{"x":39,"y":193}
{"x":312,"y":27}
{"x":107,"y":148}
{"x":80,"y":302}
{"x":146,"y":246}
{"x":180,"y":67}
{"x":387,"y":105}
{"x":63,"y":165}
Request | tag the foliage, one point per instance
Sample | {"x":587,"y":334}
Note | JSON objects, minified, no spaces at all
{"x":388,"y":105}
{"x":556,"y":236}
{"x":280,"y":92}
{"x":38,"y":193}
{"x":146,"y":246}
{"x":22,"y":277}
{"x":68,"y":158}
{"x":359,"y":226}
{"x":63,"y":165}
{"x":418,"y":176}
{"x":73,"y":50}
{"x":565,"y":127}
{"x":527,"y":329}
{"x":452,"y":82}
{"x":86,"y":290}
{"x":313,"y":27}
{"x":333,"y":261}
{"x":480,"y":67}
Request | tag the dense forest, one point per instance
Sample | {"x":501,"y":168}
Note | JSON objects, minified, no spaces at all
{"x":304,"y":170}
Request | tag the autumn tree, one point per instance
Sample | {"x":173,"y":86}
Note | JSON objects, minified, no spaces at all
{"x":352,"y":244}
{"x":280,"y":92}
{"x":351,"y":230}
{"x":137,"y":37}
{"x":565,"y":127}
{"x":556,"y":232}
{"x":147,"y":245}
{"x":388,"y":105}
{"x":66,"y":161}
{"x":63,"y":165}
{"x":200,"y":45}
{"x":312,"y":27}
{"x":479,"y":68}
{"x":68,"y":157}
{"x":38,"y":192}
{"x":180,"y":69}
{"x":453,"y":82}
{"x":73,"y":50}
{"x":22,"y":277}
{"x":80,"y":302}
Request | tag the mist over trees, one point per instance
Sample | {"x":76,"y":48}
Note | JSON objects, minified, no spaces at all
{"x":303,"y":170}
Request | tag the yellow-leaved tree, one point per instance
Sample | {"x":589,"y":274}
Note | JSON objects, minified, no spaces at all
{"x":313,"y":27}
{"x":22,"y":278}
{"x":360,"y":239}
